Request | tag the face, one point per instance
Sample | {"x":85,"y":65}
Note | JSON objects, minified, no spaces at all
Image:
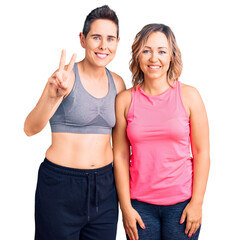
{"x":101,"y":42}
{"x":155,"y":57}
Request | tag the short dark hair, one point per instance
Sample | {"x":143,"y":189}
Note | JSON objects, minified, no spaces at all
{"x":103,"y":12}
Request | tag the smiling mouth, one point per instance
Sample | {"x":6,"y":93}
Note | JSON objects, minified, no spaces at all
{"x":101,"y":55}
{"x":154,"y":66}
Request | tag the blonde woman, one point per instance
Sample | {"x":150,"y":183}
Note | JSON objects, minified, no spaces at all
{"x":161,"y":188}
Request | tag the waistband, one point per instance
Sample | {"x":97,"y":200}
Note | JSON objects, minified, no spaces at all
{"x":75,"y":171}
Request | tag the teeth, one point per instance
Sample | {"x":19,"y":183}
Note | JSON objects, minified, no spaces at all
{"x":101,"y":55}
{"x":154,"y":67}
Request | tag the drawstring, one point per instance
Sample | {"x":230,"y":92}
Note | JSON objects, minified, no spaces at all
{"x":96,"y":192}
{"x":88,"y":202}
{"x":96,"y":187}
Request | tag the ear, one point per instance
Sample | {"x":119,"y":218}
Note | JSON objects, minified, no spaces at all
{"x":82,"y":40}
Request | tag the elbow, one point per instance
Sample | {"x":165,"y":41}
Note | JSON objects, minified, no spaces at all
{"x":202,"y":155}
{"x":28,"y":131}
{"x":121,"y":158}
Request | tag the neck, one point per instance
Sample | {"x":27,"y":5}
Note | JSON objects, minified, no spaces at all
{"x":92,"y":71}
{"x":156,"y":86}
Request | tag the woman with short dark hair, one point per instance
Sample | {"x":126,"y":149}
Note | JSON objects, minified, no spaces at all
{"x":76,"y":196}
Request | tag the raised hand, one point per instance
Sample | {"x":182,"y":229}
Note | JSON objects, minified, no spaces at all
{"x":59,"y":81}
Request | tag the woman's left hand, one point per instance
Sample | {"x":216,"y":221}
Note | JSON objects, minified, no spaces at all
{"x":193,"y":213}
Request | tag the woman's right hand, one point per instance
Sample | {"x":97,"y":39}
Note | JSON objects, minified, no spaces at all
{"x":130,"y":220}
{"x":59,"y":81}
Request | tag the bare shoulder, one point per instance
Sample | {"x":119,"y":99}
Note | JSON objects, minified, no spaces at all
{"x":123,"y":101}
{"x":125,"y":95}
{"x":119,"y":82}
{"x":189,"y":92}
{"x":192,"y":98}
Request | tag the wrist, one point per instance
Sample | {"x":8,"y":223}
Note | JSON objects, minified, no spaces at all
{"x":196,"y":200}
{"x":53,"y":99}
{"x":126,"y":207}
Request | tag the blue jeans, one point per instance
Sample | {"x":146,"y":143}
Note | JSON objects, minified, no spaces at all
{"x":162,"y":222}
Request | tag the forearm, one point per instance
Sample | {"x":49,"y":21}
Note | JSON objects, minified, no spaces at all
{"x":40,"y":115}
{"x":201,"y":167}
{"x":121,"y":171}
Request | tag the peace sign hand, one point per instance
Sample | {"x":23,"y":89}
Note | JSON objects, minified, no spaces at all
{"x":59,"y":81}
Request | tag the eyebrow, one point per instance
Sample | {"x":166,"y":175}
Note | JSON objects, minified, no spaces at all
{"x":99,"y":35}
{"x":158,"y":47}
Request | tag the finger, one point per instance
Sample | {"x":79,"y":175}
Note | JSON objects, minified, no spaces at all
{"x":192,"y":229}
{"x":58,"y":77}
{"x":130,"y":234}
{"x":71,"y":63}
{"x":53,"y":82}
{"x":183,"y":217}
{"x":135,"y":233}
{"x":188,"y":226}
{"x":60,"y":83}
{"x":140,"y":222}
{"x":128,"y":231}
{"x":62,"y":60}
{"x":197,"y":227}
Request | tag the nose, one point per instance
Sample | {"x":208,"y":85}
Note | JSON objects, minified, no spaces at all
{"x":103,"y":44}
{"x":154,"y":56}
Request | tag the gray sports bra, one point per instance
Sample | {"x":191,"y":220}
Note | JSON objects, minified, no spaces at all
{"x":80,"y":112}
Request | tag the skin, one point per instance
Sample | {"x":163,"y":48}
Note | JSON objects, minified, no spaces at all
{"x":154,"y":62}
{"x":73,"y":149}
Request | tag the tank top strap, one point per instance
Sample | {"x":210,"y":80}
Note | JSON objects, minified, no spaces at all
{"x":75,"y":68}
{"x":133,"y":94}
{"x":178,"y":86}
{"x":130,"y":115}
{"x":180,"y":102}
{"x":77,"y":82}
{"x":112,"y":86}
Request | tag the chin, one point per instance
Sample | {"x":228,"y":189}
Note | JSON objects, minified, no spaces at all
{"x":102,"y":63}
{"x":153,"y":75}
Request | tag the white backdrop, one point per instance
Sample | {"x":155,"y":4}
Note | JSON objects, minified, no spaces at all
{"x":32,"y":36}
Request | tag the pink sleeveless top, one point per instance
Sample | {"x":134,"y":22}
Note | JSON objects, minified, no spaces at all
{"x":158,"y":129}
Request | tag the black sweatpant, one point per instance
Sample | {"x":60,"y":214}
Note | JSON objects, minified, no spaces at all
{"x":75,"y":204}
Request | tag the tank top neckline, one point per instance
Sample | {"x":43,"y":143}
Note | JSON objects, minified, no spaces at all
{"x":159,"y":95}
{"x":89,"y":94}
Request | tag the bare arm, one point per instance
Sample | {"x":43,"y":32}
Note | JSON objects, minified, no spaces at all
{"x":119,"y":83}
{"x":201,"y":159}
{"x":121,"y":148}
{"x":200,"y":148}
{"x":40,"y":115}
{"x":56,"y":89}
{"x":121,"y":165}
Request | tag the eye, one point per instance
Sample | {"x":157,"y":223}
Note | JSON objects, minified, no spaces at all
{"x":146,"y":51}
{"x":162,"y":52}
{"x":96,"y":38}
{"x":110,"y":39}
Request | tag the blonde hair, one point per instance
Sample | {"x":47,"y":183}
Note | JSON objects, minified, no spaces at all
{"x":175,"y":67}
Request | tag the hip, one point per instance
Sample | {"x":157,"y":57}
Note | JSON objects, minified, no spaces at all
{"x":80,"y":193}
